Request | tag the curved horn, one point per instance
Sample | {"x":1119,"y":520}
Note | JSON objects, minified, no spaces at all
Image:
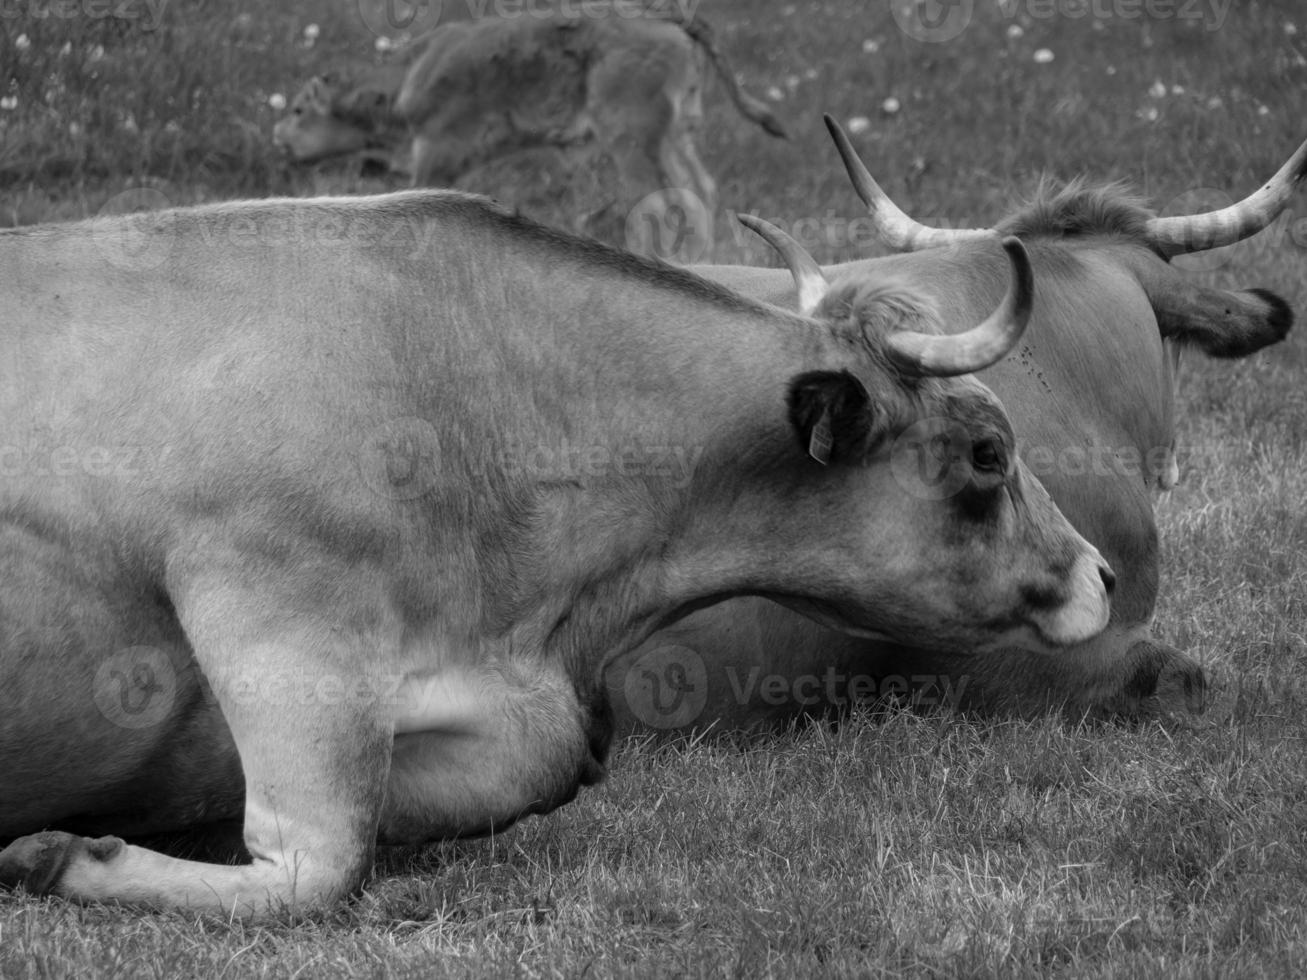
{"x":893,"y":227}
{"x":812,"y":285}
{"x":1197,"y":232}
{"x":924,"y":354}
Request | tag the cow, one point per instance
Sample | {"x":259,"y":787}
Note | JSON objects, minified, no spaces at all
{"x":627,"y":87}
{"x":1090,"y":394}
{"x":326,"y":514}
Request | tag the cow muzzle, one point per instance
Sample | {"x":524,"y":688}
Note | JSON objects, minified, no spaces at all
{"x":1089,"y":603}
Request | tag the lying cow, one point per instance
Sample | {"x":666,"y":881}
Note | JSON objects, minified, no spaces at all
{"x":348,"y":559}
{"x":629,"y":88}
{"x":1091,"y":400}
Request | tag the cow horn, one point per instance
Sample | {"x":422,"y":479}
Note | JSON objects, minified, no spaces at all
{"x":946,"y":355}
{"x":1197,"y":232}
{"x":893,"y":227}
{"x":812,"y":285}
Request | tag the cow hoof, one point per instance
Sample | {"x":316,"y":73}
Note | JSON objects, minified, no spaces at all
{"x":1181,"y":687}
{"x":1166,"y":682}
{"x":38,"y":862}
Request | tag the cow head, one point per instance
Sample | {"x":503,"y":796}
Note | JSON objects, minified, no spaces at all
{"x":967,"y":548}
{"x":328,"y":118}
{"x":1128,"y":235}
{"x":1222,"y":323}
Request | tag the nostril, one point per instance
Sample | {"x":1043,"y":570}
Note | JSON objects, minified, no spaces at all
{"x":1109,"y":578}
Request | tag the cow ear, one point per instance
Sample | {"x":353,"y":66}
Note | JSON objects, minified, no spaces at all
{"x":1221,"y":323}
{"x":833,"y":416}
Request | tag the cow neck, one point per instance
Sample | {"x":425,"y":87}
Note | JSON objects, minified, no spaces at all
{"x":599,"y":397}
{"x":650,"y":400}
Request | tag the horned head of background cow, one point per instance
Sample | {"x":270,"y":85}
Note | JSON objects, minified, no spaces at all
{"x":1168,"y":237}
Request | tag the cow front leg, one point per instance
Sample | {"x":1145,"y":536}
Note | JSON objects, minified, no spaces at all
{"x":315,"y":781}
{"x":478,"y":748}
{"x":315,"y":756}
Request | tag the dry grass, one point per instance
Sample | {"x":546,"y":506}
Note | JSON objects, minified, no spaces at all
{"x":898,"y":845}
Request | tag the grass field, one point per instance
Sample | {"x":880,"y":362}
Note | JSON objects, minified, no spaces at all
{"x":898,"y":845}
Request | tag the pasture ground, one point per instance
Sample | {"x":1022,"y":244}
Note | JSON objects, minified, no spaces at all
{"x":898,"y":845}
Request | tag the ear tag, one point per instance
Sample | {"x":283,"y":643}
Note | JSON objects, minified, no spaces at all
{"x":819,"y":442}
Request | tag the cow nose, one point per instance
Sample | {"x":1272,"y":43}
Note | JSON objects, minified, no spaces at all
{"x":1109,"y":578}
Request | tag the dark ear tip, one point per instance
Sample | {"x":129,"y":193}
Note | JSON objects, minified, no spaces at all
{"x":1280,"y":316}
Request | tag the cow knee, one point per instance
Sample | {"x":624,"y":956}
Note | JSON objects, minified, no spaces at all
{"x":315,"y":883}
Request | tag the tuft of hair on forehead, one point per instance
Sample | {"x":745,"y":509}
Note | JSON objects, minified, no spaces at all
{"x":877,"y":306}
{"x":1076,"y":208}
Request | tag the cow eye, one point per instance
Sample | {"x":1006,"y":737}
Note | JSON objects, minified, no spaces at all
{"x":987,"y":455}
